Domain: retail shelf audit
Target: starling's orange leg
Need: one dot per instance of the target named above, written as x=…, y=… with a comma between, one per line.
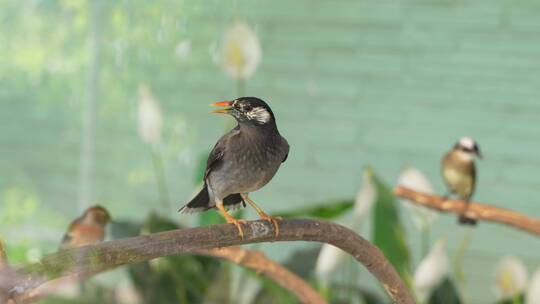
x=231, y=220
x=272, y=219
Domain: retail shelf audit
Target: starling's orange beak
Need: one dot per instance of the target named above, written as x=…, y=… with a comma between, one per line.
x=221, y=104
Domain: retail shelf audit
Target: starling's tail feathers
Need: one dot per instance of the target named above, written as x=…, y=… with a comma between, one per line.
x=466, y=221
x=462, y=219
x=201, y=202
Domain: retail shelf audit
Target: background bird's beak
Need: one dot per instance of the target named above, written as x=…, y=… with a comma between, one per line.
x=221, y=104
x=479, y=154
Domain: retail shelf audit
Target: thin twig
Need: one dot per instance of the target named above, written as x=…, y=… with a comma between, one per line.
x=92, y=259
x=473, y=210
x=257, y=261
x=161, y=180
x=48, y=288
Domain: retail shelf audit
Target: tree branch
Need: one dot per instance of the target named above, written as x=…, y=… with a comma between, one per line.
x=104, y=256
x=474, y=210
x=257, y=261
x=252, y=259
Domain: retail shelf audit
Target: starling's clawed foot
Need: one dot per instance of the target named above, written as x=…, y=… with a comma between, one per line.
x=238, y=224
x=231, y=220
x=466, y=220
x=273, y=220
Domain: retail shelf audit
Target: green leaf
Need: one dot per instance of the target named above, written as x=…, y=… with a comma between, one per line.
x=327, y=211
x=388, y=231
x=272, y=293
x=210, y=217
x=214, y=217
x=175, y=279
x=303, y=261
x=352, y=293
x=124, y=229
x=446, y=293
x=519, y=299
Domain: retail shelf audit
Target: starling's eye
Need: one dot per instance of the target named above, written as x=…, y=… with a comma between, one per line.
x=247, y=108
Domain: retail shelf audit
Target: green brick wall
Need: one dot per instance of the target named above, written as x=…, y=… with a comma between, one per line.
x=352, y=83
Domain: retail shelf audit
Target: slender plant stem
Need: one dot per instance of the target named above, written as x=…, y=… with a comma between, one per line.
x=458, y=258
x=425, y=235
x=89, y=118
x=161, y=180
x=240, y=87
x=351, y=278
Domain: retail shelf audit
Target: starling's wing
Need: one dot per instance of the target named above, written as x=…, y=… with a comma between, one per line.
x=216, y=155
x=445, y=162
x=473, y=174
x=286, y=145
x=201, y=201
x=66, y=239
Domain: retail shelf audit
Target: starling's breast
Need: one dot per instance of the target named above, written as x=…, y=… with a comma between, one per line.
x=459, y=176
x=248, y=165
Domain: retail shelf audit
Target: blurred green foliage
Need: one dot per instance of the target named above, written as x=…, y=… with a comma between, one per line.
x=446, y=293
x=388, y=232
x=328, y=210
x=196, y=279
x=41, y=81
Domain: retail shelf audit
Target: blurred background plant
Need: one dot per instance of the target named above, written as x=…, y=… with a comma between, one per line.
x=150, y=125
x=240, y=54
x=92, y=90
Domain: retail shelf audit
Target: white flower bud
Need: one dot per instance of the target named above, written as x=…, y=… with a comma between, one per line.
x=413, y=179
x=240, y=51
x=365, y=198
x=510, y=277
x=431, y=271
x=150, y=118
x=328, y=262
x=533, y=292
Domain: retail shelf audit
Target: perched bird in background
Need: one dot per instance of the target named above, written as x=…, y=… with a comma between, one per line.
x=242, y=161
x=87, y=229
x=459, y=172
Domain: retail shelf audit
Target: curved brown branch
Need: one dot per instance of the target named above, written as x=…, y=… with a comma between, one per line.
x=474, y=210
x=257, y=261
x=48, y=288
x=96, y=258
x=251, y=259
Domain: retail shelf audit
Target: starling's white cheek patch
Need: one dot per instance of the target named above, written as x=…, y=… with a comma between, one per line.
x=260, y=114
x=467, y=142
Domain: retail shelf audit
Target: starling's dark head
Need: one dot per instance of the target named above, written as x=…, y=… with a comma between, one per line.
x=468, y=146
x=97, y=215
x=250, y=110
